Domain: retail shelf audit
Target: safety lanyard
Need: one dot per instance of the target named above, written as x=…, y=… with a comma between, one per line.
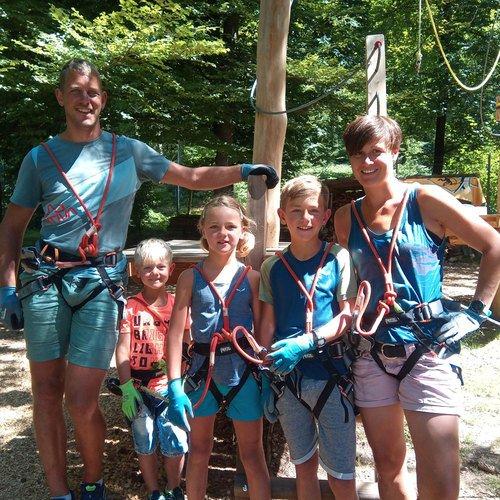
x=364, y=290
x=308, y=294
x=89, y=245
x=225, y=302
x=151, y=311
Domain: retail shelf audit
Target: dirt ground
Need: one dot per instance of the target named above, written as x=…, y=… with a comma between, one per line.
x=22, y=476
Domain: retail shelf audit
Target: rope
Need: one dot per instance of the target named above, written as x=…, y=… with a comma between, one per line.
x=300, y=107
x=450, y=69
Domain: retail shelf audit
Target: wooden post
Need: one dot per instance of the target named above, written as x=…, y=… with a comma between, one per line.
x=270, y=130
x=376, y=103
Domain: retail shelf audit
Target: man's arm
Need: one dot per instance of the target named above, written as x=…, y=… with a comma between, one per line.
x=205, y=178
x=442, y=212
x=12, y=231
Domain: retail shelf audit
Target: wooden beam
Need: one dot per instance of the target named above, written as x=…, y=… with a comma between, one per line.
x=376, y=103
x=285, y=488
x=270, y=130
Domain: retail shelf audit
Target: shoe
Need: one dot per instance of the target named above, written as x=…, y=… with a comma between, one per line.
x=175, y=494
x=92, y=491
x=156, y=495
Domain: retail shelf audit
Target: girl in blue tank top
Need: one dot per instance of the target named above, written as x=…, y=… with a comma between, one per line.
x=405, y=371
x=219, y=279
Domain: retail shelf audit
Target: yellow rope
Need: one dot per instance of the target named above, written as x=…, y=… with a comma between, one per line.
x=465, y=87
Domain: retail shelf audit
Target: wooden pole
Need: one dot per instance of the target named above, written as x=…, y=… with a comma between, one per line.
x=376, y=103
x=270, y=130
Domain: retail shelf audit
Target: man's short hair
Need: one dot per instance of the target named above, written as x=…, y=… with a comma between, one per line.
x=81, y=66
x=366, y=128
x=152, y=250
x=304, y=185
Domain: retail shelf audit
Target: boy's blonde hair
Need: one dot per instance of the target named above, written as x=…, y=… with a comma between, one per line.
x=247, y=240
x=152, y=250
x=304, y=185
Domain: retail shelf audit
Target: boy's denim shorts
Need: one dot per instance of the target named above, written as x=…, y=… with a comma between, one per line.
x=87, y=336
x=245, y=406
x=148, y=432
x=303, y=433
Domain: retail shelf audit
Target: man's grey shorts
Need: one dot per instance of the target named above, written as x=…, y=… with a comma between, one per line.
x=336, y=438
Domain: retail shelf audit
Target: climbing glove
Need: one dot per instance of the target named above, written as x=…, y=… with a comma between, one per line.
x=179, y=406
x=11, y=313
x=288, y=352
x=457, y=326
x=131, y=398
x=260, y=169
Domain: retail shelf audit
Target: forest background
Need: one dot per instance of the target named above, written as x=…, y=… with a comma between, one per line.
x=179, y=74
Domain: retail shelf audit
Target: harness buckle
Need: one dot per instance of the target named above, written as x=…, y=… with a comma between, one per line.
x=422, y=313
x=30, y=259
x=388, y=355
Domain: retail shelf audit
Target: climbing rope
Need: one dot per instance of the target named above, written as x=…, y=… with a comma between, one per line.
x=450, y=69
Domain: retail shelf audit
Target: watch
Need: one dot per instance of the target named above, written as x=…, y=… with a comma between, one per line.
x=319, y=342
x=479, y=307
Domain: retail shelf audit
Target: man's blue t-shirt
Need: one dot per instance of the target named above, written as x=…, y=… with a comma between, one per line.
x=277, y=287
x=86, y=165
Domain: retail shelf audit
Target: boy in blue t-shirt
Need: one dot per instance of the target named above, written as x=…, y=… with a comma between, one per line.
x=308, y=292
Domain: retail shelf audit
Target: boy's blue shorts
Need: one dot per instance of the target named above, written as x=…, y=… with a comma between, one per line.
x=52, y=330
x=148, y=432
x=245, y=406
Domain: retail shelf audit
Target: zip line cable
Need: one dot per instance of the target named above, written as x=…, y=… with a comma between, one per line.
x=450, y=69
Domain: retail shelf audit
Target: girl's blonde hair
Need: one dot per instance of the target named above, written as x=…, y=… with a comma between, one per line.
x=247, y=240
x=150, y=251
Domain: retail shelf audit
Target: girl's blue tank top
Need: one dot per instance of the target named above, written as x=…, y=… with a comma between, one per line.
x=417, y=268
x=206, y=319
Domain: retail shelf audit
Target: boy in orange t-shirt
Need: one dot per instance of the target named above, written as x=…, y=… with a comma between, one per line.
x=140, y=354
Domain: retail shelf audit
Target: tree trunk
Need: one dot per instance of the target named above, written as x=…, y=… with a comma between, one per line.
x=437, y=168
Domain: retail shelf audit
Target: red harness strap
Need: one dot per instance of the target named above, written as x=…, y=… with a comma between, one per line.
x=226, y=335
x=364, y=290
x=308, y=294
x=89, y=245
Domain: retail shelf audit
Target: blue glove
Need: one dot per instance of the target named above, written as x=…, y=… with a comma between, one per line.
x=457, y=326
x=260, y=169
x=11, y=314
x=179, y=405
x=288, y=352
x=267, y=399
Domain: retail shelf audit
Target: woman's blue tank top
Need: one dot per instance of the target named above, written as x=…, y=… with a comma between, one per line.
x=206, y=319
x=417, y=267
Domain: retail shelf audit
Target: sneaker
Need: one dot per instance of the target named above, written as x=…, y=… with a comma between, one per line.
x=92, y=491
x=175, y=494
x=71, y=492
x=156, y=495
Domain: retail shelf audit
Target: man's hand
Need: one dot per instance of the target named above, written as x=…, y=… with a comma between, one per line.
x=11, y=313
x=457, y=326
x=131, y=398
x=260, y=169
x=179, y=406
x=288, y=352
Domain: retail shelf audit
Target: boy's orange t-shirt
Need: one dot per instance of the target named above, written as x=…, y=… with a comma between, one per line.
x=148, y=335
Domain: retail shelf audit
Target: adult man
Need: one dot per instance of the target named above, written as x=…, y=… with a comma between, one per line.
x=395, y=235
x=85, y=179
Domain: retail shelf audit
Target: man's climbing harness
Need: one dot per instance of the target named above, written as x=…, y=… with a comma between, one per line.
x=88, y=251
x=335, y=350
x=225, y=342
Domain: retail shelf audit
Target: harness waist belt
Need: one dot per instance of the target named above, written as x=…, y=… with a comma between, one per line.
x=109, y=259
x=422, y=313
x=333, y=350
x=146, y=375
x=223, y=349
